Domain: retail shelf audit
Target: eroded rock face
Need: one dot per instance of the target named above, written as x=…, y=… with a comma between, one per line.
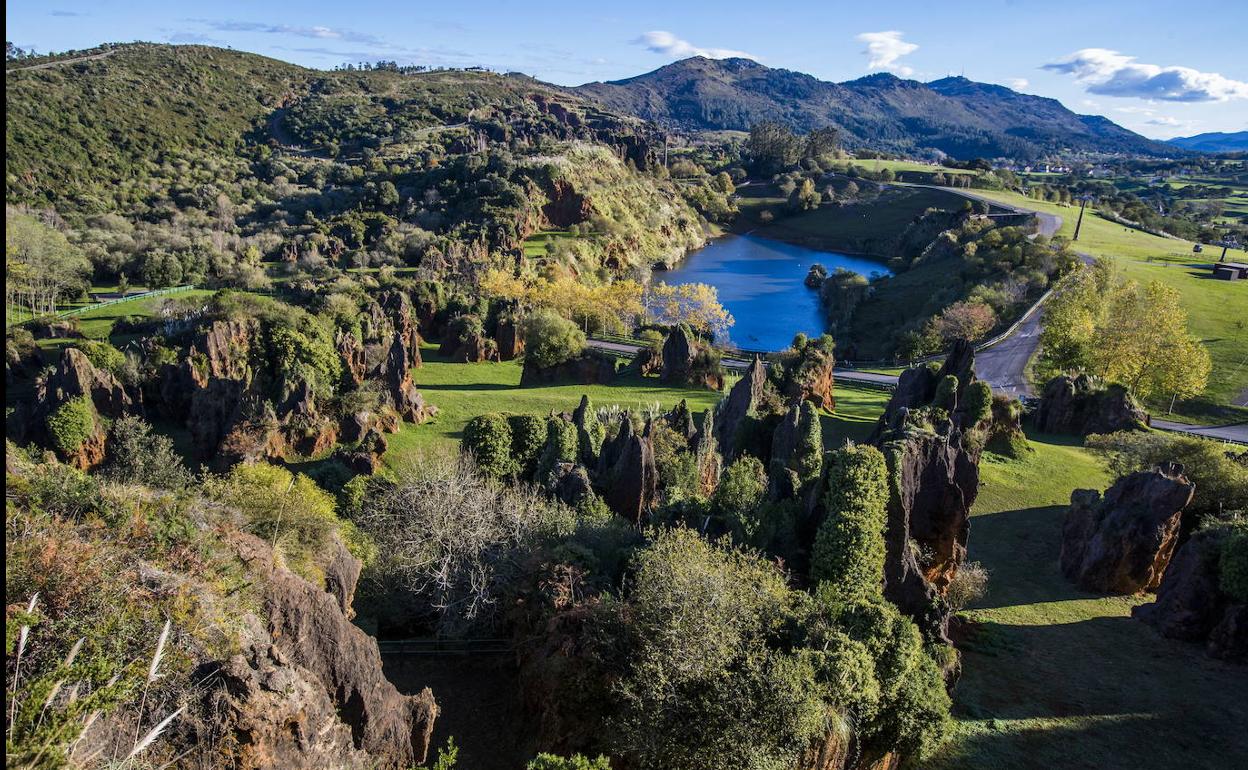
x=354, y=360
x=1191, y=605
x=933, y=482
x=1076, y=405
x=74, y=377
x=1123, y=542
x=509, y=341
x=308, y=690
x=365, y=458
x=678, y=351
x=588, y=369
x=628, y=474
x=742, y=401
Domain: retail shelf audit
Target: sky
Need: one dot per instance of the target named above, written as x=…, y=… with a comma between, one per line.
x=1161, y=68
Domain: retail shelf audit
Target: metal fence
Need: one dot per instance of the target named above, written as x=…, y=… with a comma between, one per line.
x=119, y=300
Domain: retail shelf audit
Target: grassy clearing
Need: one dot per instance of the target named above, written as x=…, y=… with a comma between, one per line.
x=98, y=324
x=535, y=245
x=1217, y=310
x=865, y=228
x=463, y=391
x=1054, y=677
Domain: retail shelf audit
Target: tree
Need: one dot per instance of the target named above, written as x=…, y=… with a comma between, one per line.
x=965, y=321
x=849, y=547
x=41, y=266
x=550, y=340
x=821, y=142
x=488, y=438
x=740, y=492
x=804, y=197
x=695, y=304
x=772, y=148
x=138, y=456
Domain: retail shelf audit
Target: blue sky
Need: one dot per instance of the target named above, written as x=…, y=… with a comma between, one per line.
x=1161, y=68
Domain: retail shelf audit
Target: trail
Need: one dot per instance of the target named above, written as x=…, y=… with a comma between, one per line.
x=59, y=62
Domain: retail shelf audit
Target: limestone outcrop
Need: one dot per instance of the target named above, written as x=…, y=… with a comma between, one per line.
x=1191, y=604
x=307, y=688
x=1122, y=543
x=1077, y=405
x=741, y=403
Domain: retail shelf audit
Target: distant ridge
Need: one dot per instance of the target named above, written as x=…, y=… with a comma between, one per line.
x=1217, y=141
x=953, y=115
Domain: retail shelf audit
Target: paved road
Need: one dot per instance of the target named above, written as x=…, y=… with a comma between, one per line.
x=1237, y=432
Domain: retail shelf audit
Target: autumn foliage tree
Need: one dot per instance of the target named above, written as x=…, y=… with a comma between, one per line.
x=695, y=304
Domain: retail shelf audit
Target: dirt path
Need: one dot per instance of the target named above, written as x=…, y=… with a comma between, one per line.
x=59, y=62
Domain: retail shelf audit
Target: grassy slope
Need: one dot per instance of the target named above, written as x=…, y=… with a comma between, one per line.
x=1217, y=310
x=463, y=391
x=1054, y=677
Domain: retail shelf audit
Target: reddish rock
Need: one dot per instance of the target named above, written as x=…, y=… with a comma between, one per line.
x=354, y=361
x=1122, y=543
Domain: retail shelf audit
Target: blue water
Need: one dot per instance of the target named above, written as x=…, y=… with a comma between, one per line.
x=760, y=283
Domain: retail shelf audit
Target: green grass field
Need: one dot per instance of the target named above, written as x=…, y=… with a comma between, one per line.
x=1054, y=677
x=98, y=324
x=1217, y=310
x=463, y=391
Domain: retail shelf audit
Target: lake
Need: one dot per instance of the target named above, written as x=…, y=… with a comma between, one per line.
x=760, y=282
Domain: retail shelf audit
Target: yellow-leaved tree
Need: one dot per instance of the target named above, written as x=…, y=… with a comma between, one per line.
x=695, y=304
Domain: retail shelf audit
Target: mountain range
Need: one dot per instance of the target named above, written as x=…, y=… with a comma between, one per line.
x=1213, y=142
x=953, y=115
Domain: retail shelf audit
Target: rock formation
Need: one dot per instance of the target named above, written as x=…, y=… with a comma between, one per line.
x=742, y=402
x=1122, y=543
x=590, y=368
x=678, y=351
x=74, y=377
x=307, y=688
x=366, y=457
x=1191, y=604
x=1076, y=405
x=627, y=473
x=508, y=340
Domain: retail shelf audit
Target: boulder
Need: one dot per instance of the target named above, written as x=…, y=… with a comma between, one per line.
x=1123, y=542
x=366, y=457
x=809, y=376
x=354, y=361
x=590, y=368
x=1077, y=405
x=570, y=483
x=508, y=340
x=472, y=349
x=1190, y=603
x=742, y=402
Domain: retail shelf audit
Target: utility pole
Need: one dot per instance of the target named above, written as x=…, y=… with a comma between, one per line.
x=1083, y=204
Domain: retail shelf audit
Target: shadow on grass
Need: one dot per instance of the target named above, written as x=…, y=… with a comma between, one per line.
x=1022, y=548
x=466, y=386
x=1132, y=698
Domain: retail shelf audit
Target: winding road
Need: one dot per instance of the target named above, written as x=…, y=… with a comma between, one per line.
x=1002, y=361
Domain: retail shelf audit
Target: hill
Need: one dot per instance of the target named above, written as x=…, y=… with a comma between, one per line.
x=954, y=115
x=1217, y=141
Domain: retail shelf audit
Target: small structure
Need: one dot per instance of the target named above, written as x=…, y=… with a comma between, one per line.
x=1230, y=271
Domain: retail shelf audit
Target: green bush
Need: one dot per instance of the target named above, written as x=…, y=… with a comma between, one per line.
x=946, y=393
x=72, y=424
x=102, y=355
x=550, y=339
x=849, y=547
x=487, y=438
x=137, y=456
x=528, y=436
x=562, y=446
x=574, y=762
x=739, y=494
x=1233, y=563
x=977, y=401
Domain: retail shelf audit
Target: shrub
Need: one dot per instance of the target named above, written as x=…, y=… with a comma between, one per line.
x=288, y=510
x=137, y=456
x=1221, y=482
x=103, y=355
x=550, y=339
x=968, y=585
x=574, y=762
x=740, y=492
x=849, y=547
x=946, y=393
x=528, y=436
x=562, y=446
x=1233, y=563
x=72, y=424
x=977, y=400
x=488, y=438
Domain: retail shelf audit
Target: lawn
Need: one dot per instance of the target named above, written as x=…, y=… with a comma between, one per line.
x=1217, y=310
x=866, y=228
x=535, y=245
x=1054, y=677
x=463, y=391
x=98, y=324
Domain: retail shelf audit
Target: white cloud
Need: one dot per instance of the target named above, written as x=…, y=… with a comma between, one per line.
x=316, y=32
x=660, y=41
x=1018, y=84
x=1110, y=73
x=884, y=49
